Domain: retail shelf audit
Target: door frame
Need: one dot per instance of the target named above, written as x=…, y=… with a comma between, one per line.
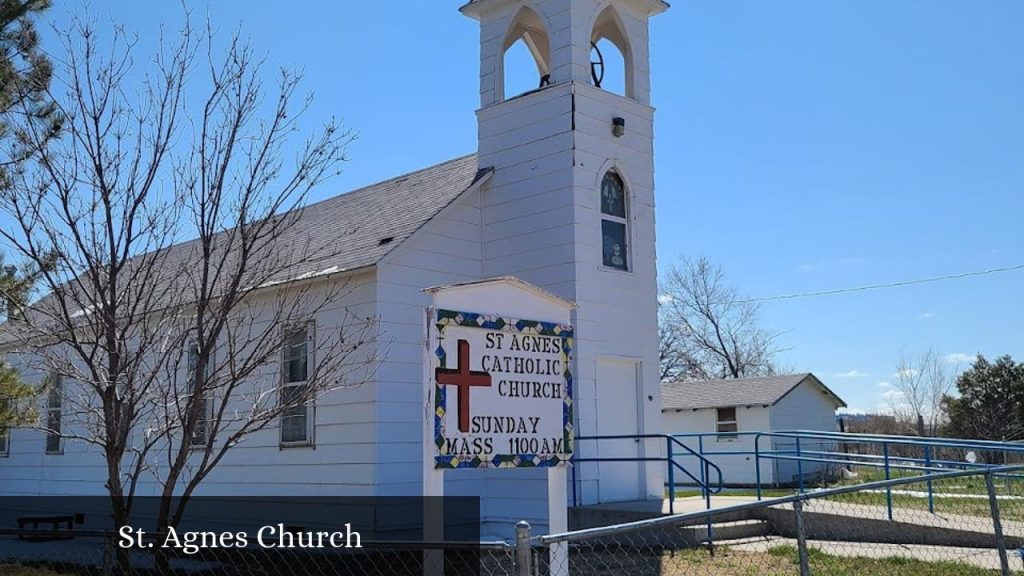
x=641, y=424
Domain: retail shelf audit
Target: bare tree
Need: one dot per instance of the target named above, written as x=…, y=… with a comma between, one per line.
x=707, y=331
x=175, y=350
x=922, y=383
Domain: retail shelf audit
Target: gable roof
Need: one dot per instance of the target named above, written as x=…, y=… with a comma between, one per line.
x=357, y=229
x=345, y=232
x=759, y=391
x=370, y=222
x=509, y=280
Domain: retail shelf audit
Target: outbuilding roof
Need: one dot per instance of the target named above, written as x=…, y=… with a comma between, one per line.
x=759, y=391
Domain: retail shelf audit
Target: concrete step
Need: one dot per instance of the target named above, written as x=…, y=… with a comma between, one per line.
x=595, y=515
x=738, y=530
x=696, y=536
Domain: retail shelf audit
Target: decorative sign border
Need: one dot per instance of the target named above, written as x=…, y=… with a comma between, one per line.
x=445, y=318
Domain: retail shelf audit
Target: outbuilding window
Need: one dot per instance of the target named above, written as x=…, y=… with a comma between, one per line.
x=614, y=223
x=727, y=426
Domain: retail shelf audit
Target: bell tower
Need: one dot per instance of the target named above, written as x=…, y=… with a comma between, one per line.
x=570, y=207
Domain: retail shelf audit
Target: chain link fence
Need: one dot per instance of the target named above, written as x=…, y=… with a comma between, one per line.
x=45, y=553
x=845, y=531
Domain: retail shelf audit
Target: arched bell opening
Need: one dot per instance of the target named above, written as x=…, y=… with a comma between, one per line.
x=525, y=55
x=611, y=56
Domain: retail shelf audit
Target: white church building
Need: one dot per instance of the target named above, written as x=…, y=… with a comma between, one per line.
x=560, y=194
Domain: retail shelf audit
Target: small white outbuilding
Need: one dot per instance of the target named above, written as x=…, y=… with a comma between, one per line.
x=726, y=412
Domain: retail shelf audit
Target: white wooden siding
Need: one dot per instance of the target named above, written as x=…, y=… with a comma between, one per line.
x=340, y=463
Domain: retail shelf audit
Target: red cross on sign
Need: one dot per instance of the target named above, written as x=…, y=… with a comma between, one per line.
x=464, y=378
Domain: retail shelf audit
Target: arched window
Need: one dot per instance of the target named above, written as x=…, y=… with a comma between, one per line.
x=611, y=55
x=614, y=223
x=525, y=56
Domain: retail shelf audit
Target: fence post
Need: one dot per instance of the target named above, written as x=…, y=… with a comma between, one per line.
x=703, y=469
x=928, y=465
x=670, y=453
x=888, y=476
x=799, y=467
x=757, y=464
x=801, y=538
x=524, y=553
x=997, y=524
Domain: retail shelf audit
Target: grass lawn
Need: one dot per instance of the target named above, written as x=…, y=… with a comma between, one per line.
x=1010, y=509
x=766, y=493
x=778, y=561
x=783, y=561
x=975, y=504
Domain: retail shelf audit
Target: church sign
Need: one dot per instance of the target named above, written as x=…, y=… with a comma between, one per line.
x=503, y=392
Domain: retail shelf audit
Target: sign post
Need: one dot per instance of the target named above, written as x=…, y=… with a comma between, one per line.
x=499, y=388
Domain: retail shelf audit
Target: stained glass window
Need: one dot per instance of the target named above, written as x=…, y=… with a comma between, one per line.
x=614, y=228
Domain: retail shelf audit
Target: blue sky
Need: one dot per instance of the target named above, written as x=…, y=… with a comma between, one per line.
x=803, y=145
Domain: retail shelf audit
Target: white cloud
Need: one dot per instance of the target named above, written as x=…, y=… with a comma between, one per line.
x=664, y=298
x=852, y=410
x=927, y=315
x=908, y=373
x=806, y=267
x=884, y=384
x=892, y=394
x=959, y=358
x=851, y=374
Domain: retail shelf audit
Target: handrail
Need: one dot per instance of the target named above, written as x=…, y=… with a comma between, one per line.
x=669, y=459
x=664, y=521
x=809, y=446
x=858, y=438
x=704, y=460
x=1008, y=446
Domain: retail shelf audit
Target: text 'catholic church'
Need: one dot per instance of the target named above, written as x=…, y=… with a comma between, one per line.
x=558, y=202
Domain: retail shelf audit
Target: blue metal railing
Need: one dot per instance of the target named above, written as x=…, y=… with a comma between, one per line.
x=798, y=441
x=673, y=465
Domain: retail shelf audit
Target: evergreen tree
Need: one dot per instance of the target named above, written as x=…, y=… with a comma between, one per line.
x=991, y=401
x=25, y=74
x=13, y=412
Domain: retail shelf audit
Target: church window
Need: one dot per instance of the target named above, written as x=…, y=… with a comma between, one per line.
x=4, y=430
x=54, y=412
x=614, y=224
x=200, y=430
x=297, y=365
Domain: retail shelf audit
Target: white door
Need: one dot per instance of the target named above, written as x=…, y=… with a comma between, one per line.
x=617, y=414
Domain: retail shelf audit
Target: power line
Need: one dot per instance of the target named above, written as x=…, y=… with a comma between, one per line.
x=889, y=285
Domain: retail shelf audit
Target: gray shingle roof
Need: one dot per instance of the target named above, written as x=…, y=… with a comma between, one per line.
x=366, y=218
x=356, y=229
x=761, y=391
x=345, y=232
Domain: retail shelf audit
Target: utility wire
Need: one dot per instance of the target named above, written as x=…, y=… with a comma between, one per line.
x=889, y=285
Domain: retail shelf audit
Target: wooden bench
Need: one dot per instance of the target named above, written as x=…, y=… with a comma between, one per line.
x=60, y=527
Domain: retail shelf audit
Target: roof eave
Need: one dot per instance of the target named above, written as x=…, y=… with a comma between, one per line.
x=512, y=280
x=483, y=175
